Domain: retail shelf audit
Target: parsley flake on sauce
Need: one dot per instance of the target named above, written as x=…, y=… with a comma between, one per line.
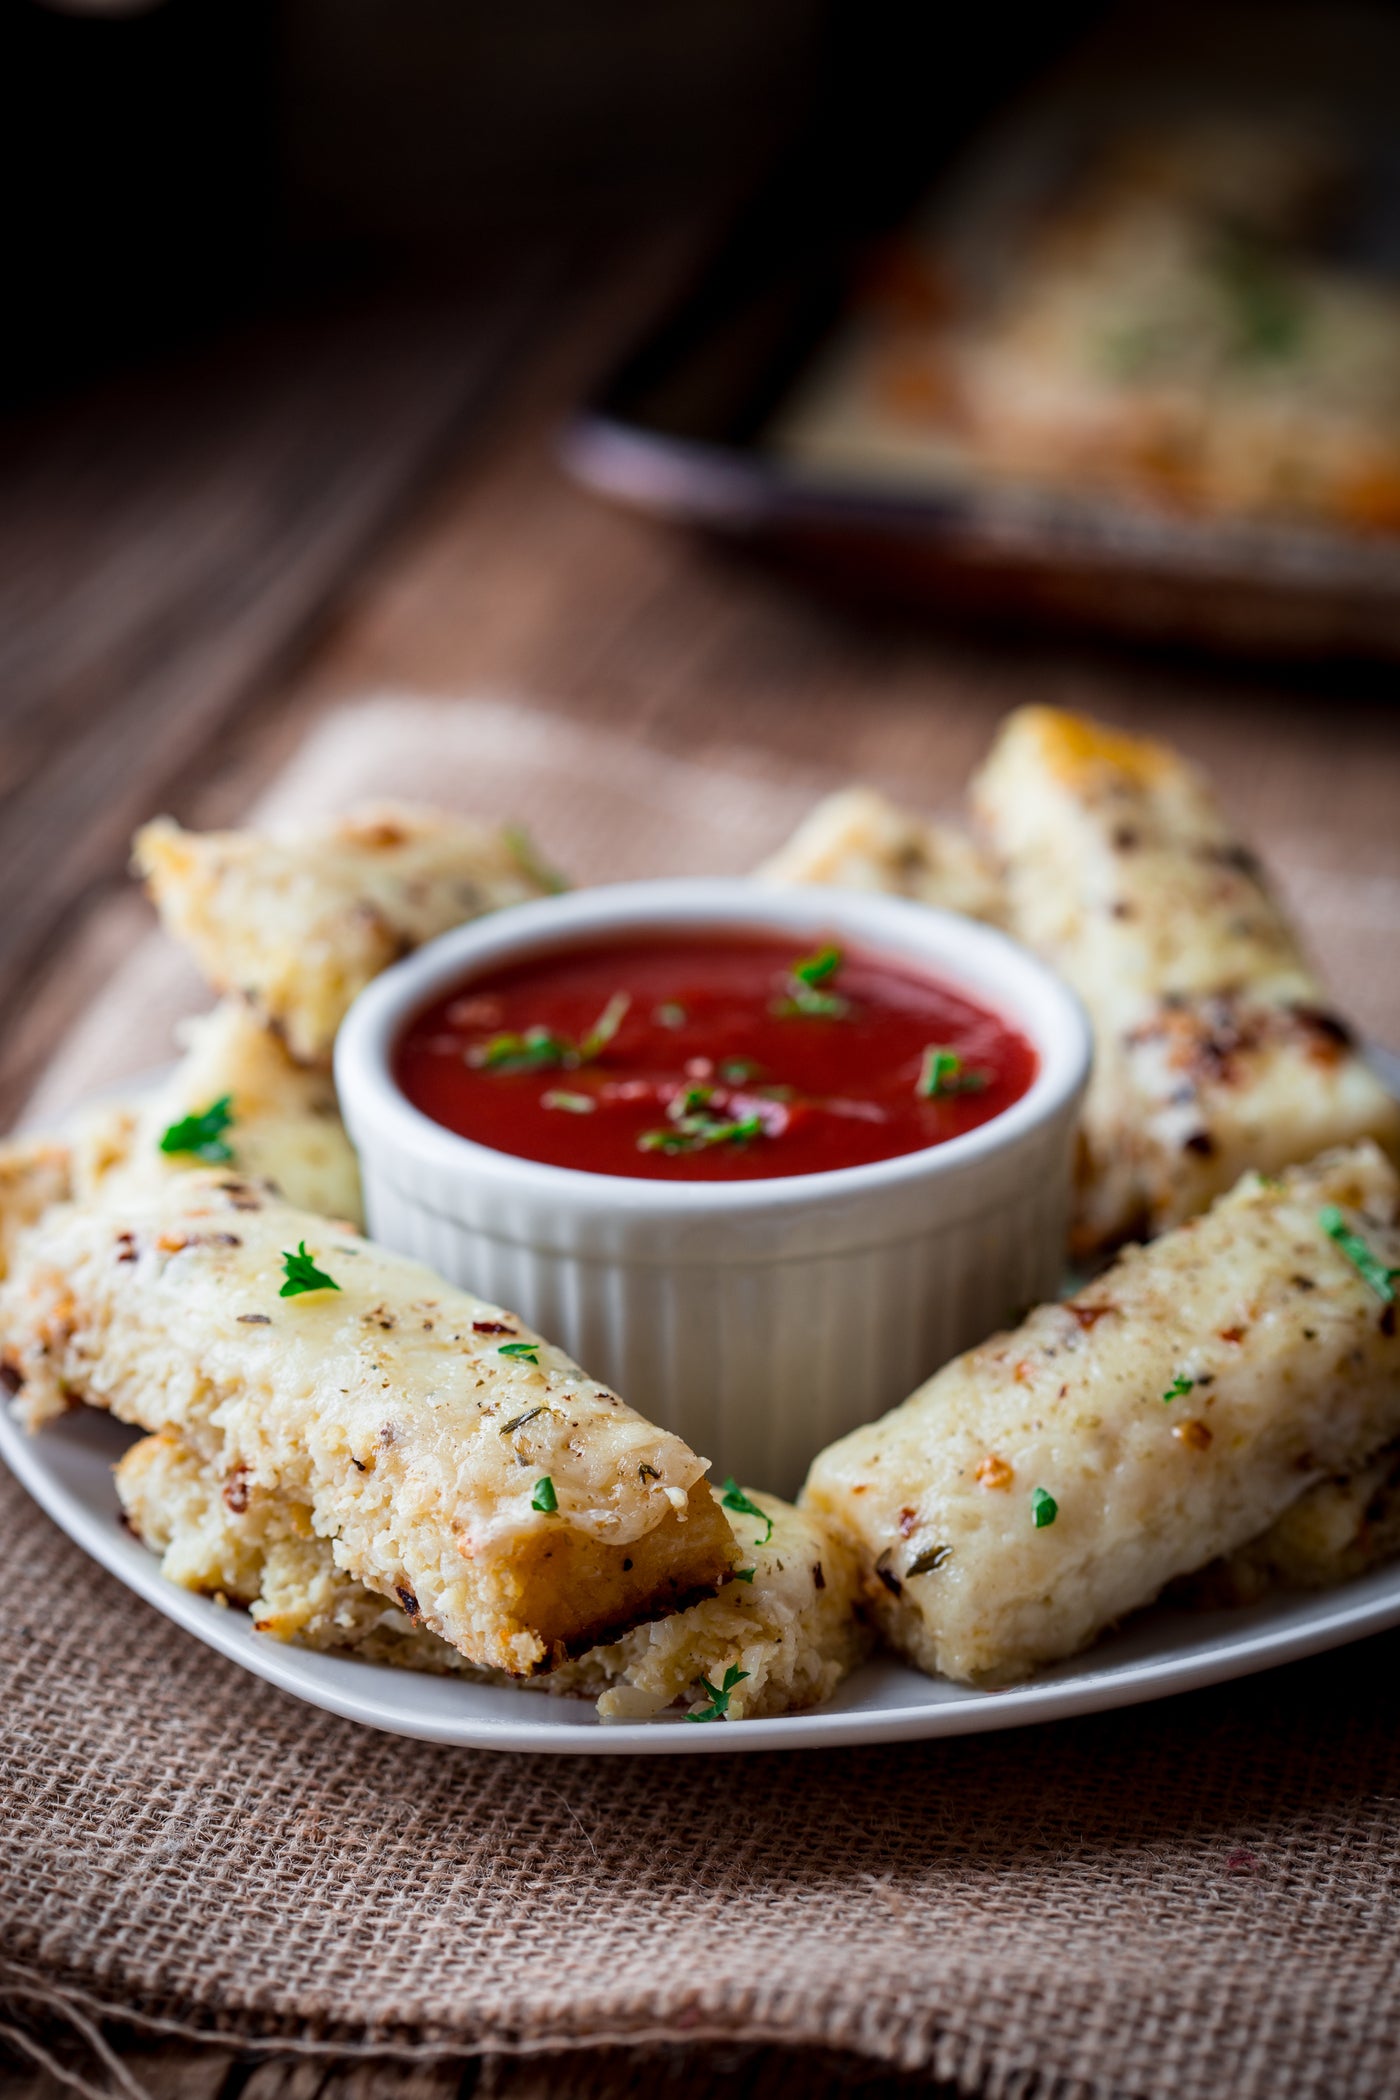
x=303, y=1275
x=732, y=1496
x=1363, y=1259
x=719, y=1694
x=536, y=1050
x=805, y=997
x=539, y=1049
x=943, y=1072
x=201, y=1135
x=1178, y=1387
x=1044, y=1508
x=544, y=1498
x=692, y=1125
x=526, y=1352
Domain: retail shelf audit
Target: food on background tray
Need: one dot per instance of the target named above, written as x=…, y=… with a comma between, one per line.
x=297, y=925
x=1184, y=321
x=725, y=1056
x=1170, y=334
x=1215, y=1046
x=1054, y=1479
x=461, y=1464
x=778, y=1636
x=858, y=840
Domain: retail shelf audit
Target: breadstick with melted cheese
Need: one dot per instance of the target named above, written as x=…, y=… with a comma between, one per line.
x=280, y=1124
x=1215, y=1048
x=299, y=925
x=858, y=840
x=457, y=1462
x=1055, y=1478
x=283, y=1124
x=788, y=1624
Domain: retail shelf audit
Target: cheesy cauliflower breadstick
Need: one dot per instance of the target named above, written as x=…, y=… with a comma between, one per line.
x=235, y=1096
x=779, y=1636
x=1215, y=1050
x=298, y=925
x=857, y=840
x=458, y=1462
x=1041, y=1486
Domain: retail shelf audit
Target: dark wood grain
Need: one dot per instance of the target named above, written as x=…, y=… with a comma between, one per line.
x=170, y=544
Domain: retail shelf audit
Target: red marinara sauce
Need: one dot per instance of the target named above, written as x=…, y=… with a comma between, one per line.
x=713, y=1057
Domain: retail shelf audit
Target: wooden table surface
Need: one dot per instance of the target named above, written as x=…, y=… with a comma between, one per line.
x=201, y=561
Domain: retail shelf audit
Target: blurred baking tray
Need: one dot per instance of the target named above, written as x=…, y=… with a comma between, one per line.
x=691, y=426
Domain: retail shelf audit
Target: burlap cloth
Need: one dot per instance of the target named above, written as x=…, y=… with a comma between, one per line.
x=1196, y=1899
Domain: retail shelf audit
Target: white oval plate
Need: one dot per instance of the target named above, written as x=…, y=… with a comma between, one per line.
x=67, y=1469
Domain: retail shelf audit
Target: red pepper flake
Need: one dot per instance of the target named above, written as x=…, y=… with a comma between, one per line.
x=908, y=1518
x=1089, y=1316
x=1233, y=1334
x=494, y=1327
x=236, y=1490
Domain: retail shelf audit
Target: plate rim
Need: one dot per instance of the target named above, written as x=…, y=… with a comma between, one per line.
x=1247, y=1651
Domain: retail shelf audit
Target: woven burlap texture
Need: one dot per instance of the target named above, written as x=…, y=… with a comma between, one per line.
x=1196, y=1899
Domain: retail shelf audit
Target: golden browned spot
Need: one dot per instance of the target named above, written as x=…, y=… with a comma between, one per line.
x=1073, y=745
x=1193, y=1434
x=994, y=1472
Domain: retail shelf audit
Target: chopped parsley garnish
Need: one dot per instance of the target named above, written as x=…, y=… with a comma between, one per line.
x=927, y=1562
x=745, y=1574
x=692, y=1125
x=669, y=1014
x=1363, y=1259
x=815, y=969
x=1266, y=309
x=544, y=1498
x=732, y=1496
x=718, y=1694
x=572, y=1104
x=539, y=1049
x=536, y=1050
x=805, y=997
x=202, y=1135
x=605, y=1027
x=525, y=1352
x=1178, y=1387
x=1044, y=1508
x=943, y=1072
x=523, y=847
x=302, y=1274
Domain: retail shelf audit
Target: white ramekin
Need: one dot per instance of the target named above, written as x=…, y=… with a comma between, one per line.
x=758, y=1319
